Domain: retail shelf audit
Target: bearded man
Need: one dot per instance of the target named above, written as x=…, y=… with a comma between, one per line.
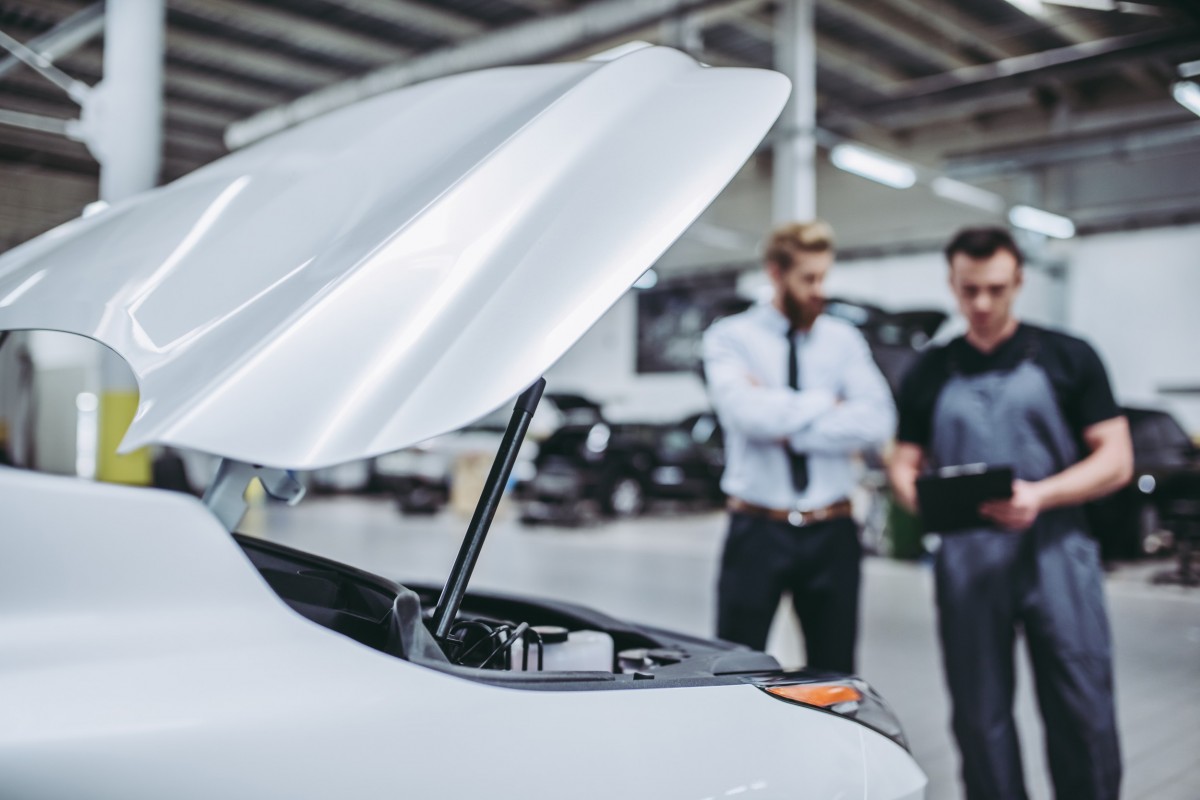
x=798, y=395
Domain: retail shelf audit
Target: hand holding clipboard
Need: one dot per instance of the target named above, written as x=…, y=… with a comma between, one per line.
x=951, y=498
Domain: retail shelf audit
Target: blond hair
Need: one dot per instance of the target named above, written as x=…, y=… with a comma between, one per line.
x=798, y=237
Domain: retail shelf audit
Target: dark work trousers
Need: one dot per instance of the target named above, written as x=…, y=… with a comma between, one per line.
x=819, y=564
x=1046, y=581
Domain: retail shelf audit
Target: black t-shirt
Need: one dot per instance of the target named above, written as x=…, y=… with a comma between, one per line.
x=1073, y=367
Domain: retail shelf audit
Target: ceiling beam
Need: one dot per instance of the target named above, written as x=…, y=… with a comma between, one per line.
x=897, y=31
x=952, y=110
x=1093, y=147
x=665, y=31
x=1076, y=29
x=191, y=83
x=257, y=63
x=947, y=21
x=858, y=67
x=546, y=7
x=296, y=30
x=428, y=17
x=537, y=39
x=1145, y=213
x=1030, y=70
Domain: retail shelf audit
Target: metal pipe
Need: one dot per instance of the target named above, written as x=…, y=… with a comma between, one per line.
x=794, y=181
x=36, y=122
x=65, y=37
x=37, y=62
x=485, y=510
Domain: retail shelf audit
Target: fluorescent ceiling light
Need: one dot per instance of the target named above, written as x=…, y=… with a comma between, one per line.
x=1033, y=8
x=1038, y=221
x=873, y=165
x=965, y=193
x=1189, y=69
x=1187, y=94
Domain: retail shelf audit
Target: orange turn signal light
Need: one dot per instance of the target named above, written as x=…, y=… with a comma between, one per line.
x=822, y=695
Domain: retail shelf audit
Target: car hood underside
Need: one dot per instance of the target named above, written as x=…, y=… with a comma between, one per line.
x=398, y=268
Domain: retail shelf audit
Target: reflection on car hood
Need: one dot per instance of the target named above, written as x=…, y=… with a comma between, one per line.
x=400, y=267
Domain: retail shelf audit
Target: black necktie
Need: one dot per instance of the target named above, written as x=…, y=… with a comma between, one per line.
x=798, y=461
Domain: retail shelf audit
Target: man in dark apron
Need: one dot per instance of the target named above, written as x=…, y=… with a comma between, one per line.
x=1009, y=393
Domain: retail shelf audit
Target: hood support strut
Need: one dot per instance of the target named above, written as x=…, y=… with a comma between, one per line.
x=485, y=510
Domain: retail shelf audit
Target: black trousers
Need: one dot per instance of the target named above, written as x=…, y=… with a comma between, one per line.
x=820, y=564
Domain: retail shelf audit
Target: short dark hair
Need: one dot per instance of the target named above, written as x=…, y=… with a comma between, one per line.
x=983, y=243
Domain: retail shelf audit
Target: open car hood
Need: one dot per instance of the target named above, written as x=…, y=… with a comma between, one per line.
x=398, y=268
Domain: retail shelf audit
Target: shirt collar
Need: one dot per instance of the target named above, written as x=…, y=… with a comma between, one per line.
x=772, y=318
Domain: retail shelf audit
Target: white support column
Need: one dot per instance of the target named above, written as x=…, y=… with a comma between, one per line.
x=794, y=198
x=125, y=134
x=130, y=122
x=795, y=177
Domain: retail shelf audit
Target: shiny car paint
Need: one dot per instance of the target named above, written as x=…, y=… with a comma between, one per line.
x=355, y=285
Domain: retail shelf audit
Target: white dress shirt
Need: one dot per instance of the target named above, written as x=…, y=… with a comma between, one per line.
x=844, y=405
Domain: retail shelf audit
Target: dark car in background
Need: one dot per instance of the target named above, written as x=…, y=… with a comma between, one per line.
x=421, y=477
x=1128, y=523
x=895, y=337
x=617, y=469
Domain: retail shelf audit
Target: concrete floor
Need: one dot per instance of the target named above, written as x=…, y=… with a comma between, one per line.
x=661, y=569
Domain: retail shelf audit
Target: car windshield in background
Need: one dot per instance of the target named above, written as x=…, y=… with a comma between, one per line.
x=1158, y=439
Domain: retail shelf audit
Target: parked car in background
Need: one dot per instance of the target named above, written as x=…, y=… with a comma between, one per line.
x=350, y=477
x=420, y=477
x=1127, y=522
x=617, y=469
x=895, y=337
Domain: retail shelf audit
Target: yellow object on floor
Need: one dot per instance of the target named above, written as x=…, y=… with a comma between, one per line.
x=116, y=413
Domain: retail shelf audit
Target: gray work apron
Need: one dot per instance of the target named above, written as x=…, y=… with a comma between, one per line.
x=1047, y=580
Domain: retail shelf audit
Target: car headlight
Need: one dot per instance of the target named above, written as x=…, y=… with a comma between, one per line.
x=852, y=698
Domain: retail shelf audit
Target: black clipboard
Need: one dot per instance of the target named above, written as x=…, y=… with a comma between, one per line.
x=949, y=499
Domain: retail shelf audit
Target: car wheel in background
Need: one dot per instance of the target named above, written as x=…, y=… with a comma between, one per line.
x=624, y=497
x=1153, y=539
x=421, y=500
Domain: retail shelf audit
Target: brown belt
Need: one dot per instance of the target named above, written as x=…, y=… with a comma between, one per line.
x=839, y=510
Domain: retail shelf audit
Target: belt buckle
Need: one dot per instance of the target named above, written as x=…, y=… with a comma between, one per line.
x=795, y=518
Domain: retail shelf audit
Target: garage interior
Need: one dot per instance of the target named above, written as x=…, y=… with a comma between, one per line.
x=1076, y=122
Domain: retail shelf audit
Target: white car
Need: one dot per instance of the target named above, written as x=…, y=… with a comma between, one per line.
x=365, y=281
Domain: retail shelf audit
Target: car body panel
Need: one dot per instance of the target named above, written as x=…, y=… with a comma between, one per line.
x=363, y=282
x=192, y=679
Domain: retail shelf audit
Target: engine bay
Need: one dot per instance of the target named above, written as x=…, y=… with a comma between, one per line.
x=496, y=638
